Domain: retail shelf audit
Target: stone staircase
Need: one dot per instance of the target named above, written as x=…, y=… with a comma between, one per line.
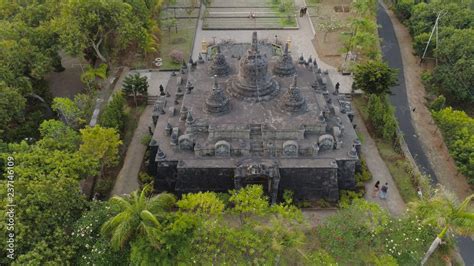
x=256, y=141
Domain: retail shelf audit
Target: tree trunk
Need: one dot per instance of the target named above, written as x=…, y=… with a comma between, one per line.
x=97, y=51
x=434, y=245
x=135, y=99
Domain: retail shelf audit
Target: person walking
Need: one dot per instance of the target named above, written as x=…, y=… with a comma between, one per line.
x=376, y=189
x=383, y=191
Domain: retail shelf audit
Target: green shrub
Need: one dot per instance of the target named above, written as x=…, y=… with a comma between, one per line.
x=146, y=139
x=458, y=131
x=438, y=103
x=104, y=186
x=113, y=115
x=347, y=196
x=145, y=178
x=403, y=9
x=322, y=203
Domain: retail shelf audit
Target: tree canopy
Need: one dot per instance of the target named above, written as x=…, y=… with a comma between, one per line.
x=374, y=77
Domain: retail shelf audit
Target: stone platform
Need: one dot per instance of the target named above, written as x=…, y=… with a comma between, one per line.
x=208, y=138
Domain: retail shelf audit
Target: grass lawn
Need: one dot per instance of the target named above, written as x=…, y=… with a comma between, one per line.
x=396, y=163
x=182, y=40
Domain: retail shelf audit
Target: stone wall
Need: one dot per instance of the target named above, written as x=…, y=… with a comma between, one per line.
x=204, y=179
x=310, y=183
x=345, y=174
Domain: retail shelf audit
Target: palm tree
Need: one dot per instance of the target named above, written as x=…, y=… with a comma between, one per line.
x=139, y=216
x=445, y=210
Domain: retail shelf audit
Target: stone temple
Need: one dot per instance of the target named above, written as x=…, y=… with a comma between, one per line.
x=250, y=114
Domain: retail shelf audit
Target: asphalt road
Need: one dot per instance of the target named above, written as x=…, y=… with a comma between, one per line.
x=399, y=98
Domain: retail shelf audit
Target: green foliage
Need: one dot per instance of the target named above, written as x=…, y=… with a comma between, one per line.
x=12, y=105
x=113, y=115
x=364, y=175
x=348, y=235
x=382, y=117
x=44, y=209
x=137, y=218
x=135, y=85
x=89, y=246
x=374, y=77
x=75, y=112
x=145, y=178
x=101, y=144
x=249, y=201
x=201, y=203
x=99, y=26
x=407, y=239
x=452, y=77
x=91, y=74
x=419, y=44
x=146, y=139
x=403, y=9
x=347, y=197
x=55, y=135
x=458, y=131
x=438, y=103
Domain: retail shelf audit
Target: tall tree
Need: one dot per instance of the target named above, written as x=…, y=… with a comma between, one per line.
x=98, y=25
x=374, y=77
x=12, y=105
x=139, y=216
x=135, y=85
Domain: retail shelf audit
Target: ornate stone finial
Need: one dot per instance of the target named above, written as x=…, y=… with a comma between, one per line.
x=183, y=113
x=301, y=60
x=168, y=128
x=293, y=100
x=286, y=52
x=321, y=117
x=189, y=87
x=189, y=118
x=160, y=155
x=254, y=42
x=310, y=60
x=200, y=59
x=216, y=84
x=353, y=152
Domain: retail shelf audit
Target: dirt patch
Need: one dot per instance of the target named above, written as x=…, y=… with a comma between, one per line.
x=329, y=45
x=431, y=138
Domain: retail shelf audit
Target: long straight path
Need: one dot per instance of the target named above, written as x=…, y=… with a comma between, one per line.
x=399, y=98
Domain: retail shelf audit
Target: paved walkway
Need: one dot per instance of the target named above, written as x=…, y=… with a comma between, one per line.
x=394, y=202
x=127, y=179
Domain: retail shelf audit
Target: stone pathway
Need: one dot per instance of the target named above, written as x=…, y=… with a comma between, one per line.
x=394, y=202
x=127, y=179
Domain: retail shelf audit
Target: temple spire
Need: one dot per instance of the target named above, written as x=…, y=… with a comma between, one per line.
x=254, y=42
